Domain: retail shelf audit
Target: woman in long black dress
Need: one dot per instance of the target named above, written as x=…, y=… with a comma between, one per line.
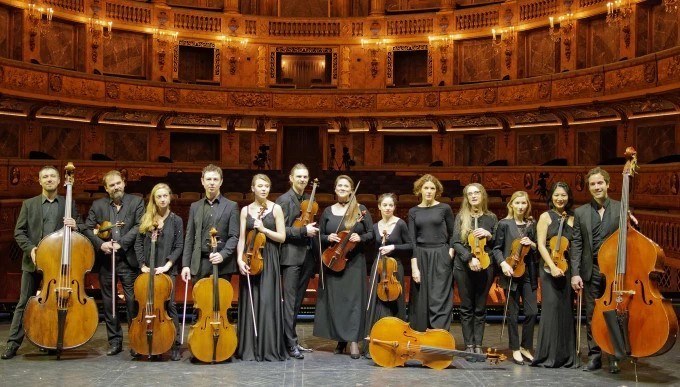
x=518, y=225
x=341, y=303
x=430, y=224
x=473, y=281
x=269, y=344
x=556, y=333
x=398, y=246
x=169, y=245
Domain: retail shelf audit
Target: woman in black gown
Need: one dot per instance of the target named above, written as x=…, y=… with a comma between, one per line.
x=556, y=333
x=430, y=224
x=473, y=281
x=518, y=225
x=398, y=246
x=341, y=303
x=169, y=245
x=269, y=344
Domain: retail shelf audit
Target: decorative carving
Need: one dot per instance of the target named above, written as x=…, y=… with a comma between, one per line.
x=432, y=100
x=673, y=67
x=349, y=102
x=302, y=102
x=251, y=99
x=197, y=97
x=675, y=184
x=81, y=88
x=112, y=90
x=400, y=100
x=597, y=82
x=544, y=90
x=567, y=48
x=142, y=93
x=55, y=82
x=345, y=68
x=14, y=176
x=508, y=58
x=490, y=95
x=650, y=72
x=580, y=182
x=262, y=66
x=26, y=80
x=626, y=35
x=172, y=95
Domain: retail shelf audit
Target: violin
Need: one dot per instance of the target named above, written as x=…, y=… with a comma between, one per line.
x=152, y=331
x=335, y=256
x=389, y=287
x=392, y=343
x=477, y=246
x=62, y=316
x=558, y=246
x=308, y=209
x=255, y=242
x=632, y=318
x=518, y=253
x=103, y=229
x=212, y=339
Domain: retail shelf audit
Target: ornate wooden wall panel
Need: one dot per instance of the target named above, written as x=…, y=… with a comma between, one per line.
x=125, y=53
x=478, y=62
x=541, y=54
x=127, y=145
x=308, y=8
x=244, y=152
x=536, y=148
x=9, y=138
x=5, y=27
x=588, y=149
x=61, y=143
x=58, y=48
x=603, y=43
x=656, y=141
x=408, y=150
x=665, y=29
x=190, y=147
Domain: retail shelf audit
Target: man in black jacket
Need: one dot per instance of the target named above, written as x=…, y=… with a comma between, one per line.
x=124, y=213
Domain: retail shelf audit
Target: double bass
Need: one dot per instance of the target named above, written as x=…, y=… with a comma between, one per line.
x=632, y=318
x=212, y=339
x=62, y=316
x=477, y=246
x=559, y=244
x=152, y=331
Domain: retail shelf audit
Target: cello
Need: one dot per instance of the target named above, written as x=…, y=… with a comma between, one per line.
x=152, y=331
x=393, y=342
x=255, y=242
x=308, y=209
x=389, y=287
x=62, y=316
x=632, y=318
x=212, y=339
x=558, y=247
x=477, y=246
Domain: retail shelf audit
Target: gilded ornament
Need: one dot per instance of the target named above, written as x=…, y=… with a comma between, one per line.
x=597, y=82
x=250, y=100
x=55, y=82
x=650, y=72
x=172, y=95
x=112, y=90
x=544, y=90
x=490, y=95
x=432, y=100
x=355, y=102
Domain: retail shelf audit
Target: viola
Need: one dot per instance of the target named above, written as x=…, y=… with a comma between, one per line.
x=255, y=242
x=62, y=316
x=632, y=318
x=389, y=287
x=477, y=246
x=152, y=331
x=103, y=229
x=558, y=246
x=212, y=339
x=335, y=256
x=393, y=342
x=308, y=209
x=518, y=253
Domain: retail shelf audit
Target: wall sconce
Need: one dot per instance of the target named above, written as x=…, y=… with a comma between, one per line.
x=98, y=29
x=40, y=19
x=671, y=6
x=442, y=43
x=373, y=47
x=235, y=46
x=618, y=12
x=507, y=38
x=564, y=33
x=166, y=41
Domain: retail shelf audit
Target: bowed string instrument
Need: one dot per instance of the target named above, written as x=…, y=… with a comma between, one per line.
x=104, y=231
x=477, y=246
x=308, y=208
x=335, y=256
x=632, y=318
x=62, y=316
x=152, y=331
x=255, y=242
x=559, y=245
x=388, y=288
x=516, y=261
x=212, y=338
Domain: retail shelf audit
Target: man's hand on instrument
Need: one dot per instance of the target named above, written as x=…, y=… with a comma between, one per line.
x=107, y=247
x=33, y=250
x=216, y=258
x=116, y=246
x=355, y=238
x=481, y=233
x=507, y=269
x=576, y=282
x=186, y=274
x=333, y=238
x=70, y=222
x=386, y=249
x=475, y=265
x=145, y=269
x=312, y=229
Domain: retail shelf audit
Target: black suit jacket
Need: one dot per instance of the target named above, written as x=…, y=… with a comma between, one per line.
x=581, y=251
x=294, y=249
x=131, y=210
x=227, y=225
x=28, y=231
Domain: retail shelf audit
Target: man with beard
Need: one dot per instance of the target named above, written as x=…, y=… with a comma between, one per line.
x=124, y=213
x=40, y=216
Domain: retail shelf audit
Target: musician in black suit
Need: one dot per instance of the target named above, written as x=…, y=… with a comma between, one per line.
x=39, y=216
x=212, y=211
x=593, y=223
x=125, y=211
x=297, y=260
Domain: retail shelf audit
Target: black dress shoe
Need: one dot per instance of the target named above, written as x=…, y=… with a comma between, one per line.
x=304, y=349
x=614, y=367
x=354, y=351
x=593, y=364
x=175, y=354
x=9, y=353
x=114, y=349
x=340, y=348
x=295, y=353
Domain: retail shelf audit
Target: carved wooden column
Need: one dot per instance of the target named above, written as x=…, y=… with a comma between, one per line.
x=162, y=52
x=627, y=31
x=231, y=6
x=377, y=7
x=446, y=5
x=509, y=42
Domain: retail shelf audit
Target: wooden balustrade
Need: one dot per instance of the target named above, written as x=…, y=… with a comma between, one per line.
x=537, y=9
x=475, y=19
x=199, y=22
x=127, y=13
x=68, y=5
x=405, y=26
x=304, y=28
x=588, y=3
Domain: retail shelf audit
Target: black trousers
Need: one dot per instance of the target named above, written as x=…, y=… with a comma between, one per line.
x=29, y=285
x=473, y=288
x=529, y=302
x=126, y=274
x=295, y=281
x=593, y=290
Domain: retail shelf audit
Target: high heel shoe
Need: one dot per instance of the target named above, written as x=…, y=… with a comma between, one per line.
x=517, y=357
x=354, y=350
x=340, y=348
